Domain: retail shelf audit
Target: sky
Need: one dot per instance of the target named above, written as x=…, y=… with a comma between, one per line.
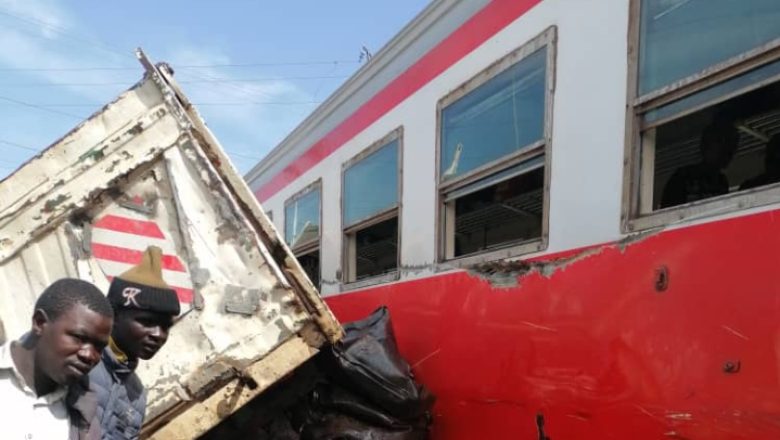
x=253, y=68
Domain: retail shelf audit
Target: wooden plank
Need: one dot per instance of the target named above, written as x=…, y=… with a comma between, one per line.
x=202, y=416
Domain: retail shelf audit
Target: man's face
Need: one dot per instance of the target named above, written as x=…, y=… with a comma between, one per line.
x=141, y=333
x=70, y=345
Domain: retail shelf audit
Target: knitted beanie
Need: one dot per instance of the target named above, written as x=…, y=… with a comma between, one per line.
x=142, y=287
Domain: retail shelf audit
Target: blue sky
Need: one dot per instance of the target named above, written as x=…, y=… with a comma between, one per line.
x=256, y=68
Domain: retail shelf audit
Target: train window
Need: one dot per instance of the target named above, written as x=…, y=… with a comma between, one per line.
x=493, y=153
x=679, y=38
x=371, y=188
x=705, y=102
x=499, y=118
x=302, y=229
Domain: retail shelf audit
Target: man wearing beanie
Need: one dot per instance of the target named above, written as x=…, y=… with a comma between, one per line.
x=144, y=308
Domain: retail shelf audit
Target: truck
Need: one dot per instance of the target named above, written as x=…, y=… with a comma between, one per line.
x=145, y=170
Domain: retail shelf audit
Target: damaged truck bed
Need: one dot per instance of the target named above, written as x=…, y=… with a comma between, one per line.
x=143, y=171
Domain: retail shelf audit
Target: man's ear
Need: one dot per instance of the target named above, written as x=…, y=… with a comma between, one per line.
x=39, y=321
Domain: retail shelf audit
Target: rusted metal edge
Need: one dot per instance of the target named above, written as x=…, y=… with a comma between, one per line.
x=274, y=249
x=194, y=418
x=169, y=97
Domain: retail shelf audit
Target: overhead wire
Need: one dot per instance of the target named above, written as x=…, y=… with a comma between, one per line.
x=201, y=104
x=17, y=145
x=40, y=107
x=200, y=77
x=203, y=81
x=179, y=66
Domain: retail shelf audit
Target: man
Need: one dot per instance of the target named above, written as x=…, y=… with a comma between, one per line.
x=144, y=308
x=71, y=324
x=705, y=179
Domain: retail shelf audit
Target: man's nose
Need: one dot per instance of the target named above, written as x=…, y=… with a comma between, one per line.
x=158, y=333
x=89, y=354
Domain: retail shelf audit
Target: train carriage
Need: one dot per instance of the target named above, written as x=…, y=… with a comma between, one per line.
x=569, y=208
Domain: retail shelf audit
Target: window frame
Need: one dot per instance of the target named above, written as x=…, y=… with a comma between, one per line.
x=312, y=245
x=371, y=220
x=636, y=188
x=546, y=39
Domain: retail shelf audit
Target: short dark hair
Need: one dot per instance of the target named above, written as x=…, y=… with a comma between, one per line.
x=65, y=293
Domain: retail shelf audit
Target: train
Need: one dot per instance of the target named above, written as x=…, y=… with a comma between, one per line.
x=568, y=207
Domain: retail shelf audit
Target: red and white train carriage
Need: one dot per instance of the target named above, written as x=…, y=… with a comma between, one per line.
x=569, y=208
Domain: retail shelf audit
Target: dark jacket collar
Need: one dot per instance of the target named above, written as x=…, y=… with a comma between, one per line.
x=118, y=369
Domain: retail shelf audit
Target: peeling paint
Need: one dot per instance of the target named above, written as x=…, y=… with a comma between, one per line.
x=638, y=237
x=145, y=204
x=94, y=154
x=505, y=274
x=113, y=166
x=240, y=300
x=136, y=129
x=51, y=204
x=284, y=331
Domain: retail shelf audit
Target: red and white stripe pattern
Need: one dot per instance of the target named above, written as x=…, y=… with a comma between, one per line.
x=118, y=242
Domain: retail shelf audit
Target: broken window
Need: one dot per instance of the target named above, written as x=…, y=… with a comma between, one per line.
x=706, y=107
x=302, y=229
x=493, y=142
x=370, y=211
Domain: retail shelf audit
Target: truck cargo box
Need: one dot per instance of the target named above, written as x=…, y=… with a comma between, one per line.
x=143, y=171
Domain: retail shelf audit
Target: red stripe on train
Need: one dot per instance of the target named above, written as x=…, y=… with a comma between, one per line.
x=131, y=256
x=475, y=31
x=130, y=226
